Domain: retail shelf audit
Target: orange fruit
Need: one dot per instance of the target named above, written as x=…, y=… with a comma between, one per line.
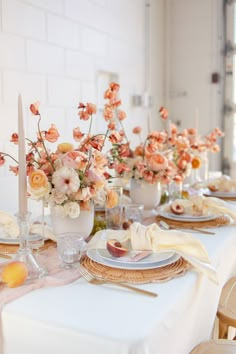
x=196, y=162
x=14, y=274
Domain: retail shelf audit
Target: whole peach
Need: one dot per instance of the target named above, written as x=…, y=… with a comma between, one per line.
x=14, y=274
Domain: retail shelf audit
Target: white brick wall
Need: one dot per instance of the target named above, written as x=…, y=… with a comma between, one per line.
x=23, y=20
x=53, y=51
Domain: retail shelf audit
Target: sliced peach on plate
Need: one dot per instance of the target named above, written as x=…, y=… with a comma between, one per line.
x=116, y=249
x=176, y=208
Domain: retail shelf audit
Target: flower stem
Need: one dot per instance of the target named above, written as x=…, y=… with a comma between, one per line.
x=45, y=149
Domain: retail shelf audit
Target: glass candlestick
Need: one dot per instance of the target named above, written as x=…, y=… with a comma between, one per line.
x=25, y=253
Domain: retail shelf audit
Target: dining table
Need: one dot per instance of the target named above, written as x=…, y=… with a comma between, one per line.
x=83, y=318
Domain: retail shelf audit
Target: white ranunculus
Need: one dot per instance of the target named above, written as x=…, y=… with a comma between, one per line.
x=66, y=180
x=72, y=209
x=40, y=193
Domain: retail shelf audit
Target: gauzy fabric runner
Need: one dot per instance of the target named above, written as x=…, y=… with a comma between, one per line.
x=56, y=277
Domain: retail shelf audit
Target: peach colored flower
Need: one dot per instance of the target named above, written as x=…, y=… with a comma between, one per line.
x=112, y=199
x=83, y=115
x=65, y=147
x=121, y=115
x=108, y=113
x=139, y=150
x=163, y=113
x=14, y=138
x=109, y=94
x=115, y=137
x=2, y=160
x=137, y=130
x=34, y=107
x=121, y=168
x=14, y=169
x=37, y=179
x=112, y=125
x=192, y=131
x=157, y=162
x=114, y=86
x=77, y=134
x=91, y=108
x=52, y=134
x=97, y=142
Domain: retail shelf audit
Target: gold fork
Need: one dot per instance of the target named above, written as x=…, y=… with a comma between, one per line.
x=95, y=280
x=198, y=229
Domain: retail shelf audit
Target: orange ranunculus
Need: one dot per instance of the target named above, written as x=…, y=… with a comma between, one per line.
x=37, y=179
x=65, y=147
x=34, y=107
x=112, y=199
x=52, y=134
x=196, y=162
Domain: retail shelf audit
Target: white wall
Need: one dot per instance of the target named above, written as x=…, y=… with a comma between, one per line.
x=194, y=51
x=56, y=51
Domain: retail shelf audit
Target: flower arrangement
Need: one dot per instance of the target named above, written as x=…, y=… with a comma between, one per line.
x=70, y=177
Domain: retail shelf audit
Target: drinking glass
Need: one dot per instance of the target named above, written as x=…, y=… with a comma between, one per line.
x=134, y=212
x=69, y=248
x=114, y=214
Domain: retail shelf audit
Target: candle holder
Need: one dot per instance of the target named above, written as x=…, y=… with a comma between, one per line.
x=25, y=253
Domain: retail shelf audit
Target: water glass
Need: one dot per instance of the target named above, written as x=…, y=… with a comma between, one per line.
x=114, y=215
x=134, y=212
x=69, y=248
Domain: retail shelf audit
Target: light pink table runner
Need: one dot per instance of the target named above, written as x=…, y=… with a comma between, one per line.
x=56, y=277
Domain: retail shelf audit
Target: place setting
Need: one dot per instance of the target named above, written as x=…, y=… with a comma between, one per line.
x=197, y=212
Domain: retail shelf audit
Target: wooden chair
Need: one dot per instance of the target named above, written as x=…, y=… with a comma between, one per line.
x=226, y=312
x=216, y=346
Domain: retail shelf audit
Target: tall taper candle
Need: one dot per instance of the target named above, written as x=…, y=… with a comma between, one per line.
x=22, y=177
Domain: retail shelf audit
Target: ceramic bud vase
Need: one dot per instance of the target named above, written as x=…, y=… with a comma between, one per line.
x=83, y=224
x=145, y=193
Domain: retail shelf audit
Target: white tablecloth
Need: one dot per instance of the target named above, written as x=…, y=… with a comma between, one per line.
x=81, y=318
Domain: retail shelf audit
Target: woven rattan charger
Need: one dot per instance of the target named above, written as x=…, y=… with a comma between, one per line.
x=160, y=274
x=6, y=248
x=222, y=220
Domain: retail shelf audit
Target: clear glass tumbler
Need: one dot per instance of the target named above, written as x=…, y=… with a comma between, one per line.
x=134, y=212
x=114, y=208
x=69, y=248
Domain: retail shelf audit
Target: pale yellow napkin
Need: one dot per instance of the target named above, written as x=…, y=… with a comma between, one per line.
x=157, y=240
x=206, y=206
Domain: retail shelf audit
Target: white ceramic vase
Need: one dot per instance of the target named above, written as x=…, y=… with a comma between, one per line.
x=82, y=225
x=145, y=193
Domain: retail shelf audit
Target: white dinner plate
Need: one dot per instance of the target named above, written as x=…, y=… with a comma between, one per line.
x=221, y=194
x=154, y=260
x=16, y=241
x=187, y=217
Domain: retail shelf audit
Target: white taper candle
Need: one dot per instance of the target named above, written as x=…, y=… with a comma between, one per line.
x=22, y=176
